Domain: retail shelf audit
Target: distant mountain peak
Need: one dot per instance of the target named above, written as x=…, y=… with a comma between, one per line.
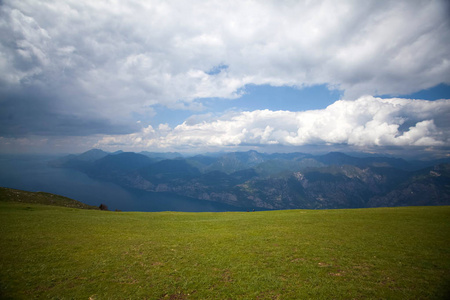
x=94, y=150
x=92, y=155
x=337, y=154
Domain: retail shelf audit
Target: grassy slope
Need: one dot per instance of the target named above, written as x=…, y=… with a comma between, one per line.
x=12, y=195
x=65, y=253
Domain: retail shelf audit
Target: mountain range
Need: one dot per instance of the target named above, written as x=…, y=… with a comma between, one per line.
x=253, y=180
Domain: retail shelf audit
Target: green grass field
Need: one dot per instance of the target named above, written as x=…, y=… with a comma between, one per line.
x=66, y=253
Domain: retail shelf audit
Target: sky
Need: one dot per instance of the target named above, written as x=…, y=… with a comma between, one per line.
x=197, y=76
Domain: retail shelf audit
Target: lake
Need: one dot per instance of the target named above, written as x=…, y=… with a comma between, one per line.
x=32, y=173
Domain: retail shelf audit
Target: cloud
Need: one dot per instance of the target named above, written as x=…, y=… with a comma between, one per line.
x=22, y=115
x=365, y=122
x=110, y=60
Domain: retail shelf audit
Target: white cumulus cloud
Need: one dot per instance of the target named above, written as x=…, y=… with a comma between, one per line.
x=365, y=122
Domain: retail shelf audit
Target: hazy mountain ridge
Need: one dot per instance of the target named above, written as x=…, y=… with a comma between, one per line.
x=276, y=181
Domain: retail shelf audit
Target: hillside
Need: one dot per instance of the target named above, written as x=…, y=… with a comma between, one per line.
x=51, y=252
x=246, y=180
x=13, y=195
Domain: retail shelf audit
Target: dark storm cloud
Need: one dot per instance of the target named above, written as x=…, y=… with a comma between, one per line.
x=33, y=113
